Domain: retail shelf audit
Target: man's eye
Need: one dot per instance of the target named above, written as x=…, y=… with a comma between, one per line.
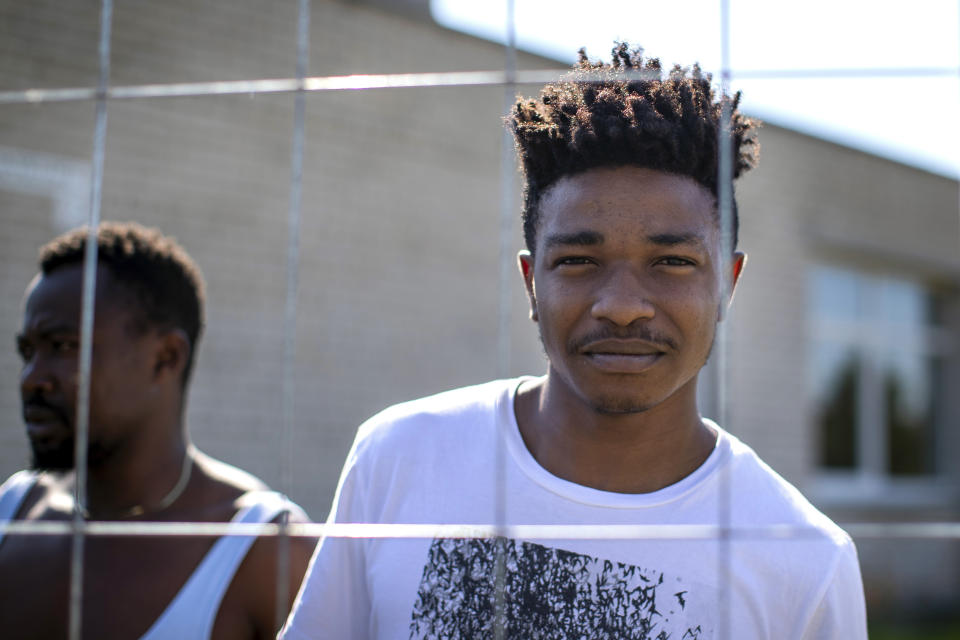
x=63, y=346
x=573, y=261
x=25, y=350
x=676, y=261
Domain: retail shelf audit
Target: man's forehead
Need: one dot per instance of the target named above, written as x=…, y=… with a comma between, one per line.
x=57, y=296
x=64, y=282
x=28, y=292
x=631, y=181
x=630, y=199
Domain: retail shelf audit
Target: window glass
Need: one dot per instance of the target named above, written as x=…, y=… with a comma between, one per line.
x=871, y=372
x=836, y=374
x=908, y=402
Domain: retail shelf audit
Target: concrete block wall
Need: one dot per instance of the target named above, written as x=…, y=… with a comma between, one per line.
x=401, y=198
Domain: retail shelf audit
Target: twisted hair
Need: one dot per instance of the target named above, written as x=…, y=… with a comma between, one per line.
x=165, y=284
x=631, y=116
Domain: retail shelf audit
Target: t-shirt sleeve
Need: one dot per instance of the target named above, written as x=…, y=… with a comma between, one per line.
x=333, y=602
x=841, y=612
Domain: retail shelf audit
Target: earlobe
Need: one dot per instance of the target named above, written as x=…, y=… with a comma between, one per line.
x=739, y=262
x=525, y=262
x=736, y=269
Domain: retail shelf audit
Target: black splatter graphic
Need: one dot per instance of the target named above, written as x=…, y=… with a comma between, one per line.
x=547, y=594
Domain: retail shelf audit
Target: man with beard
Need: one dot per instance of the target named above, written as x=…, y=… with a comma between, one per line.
x=628, y=269
x=148, y=320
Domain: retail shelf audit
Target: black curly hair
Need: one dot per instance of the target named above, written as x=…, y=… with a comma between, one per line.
x=630, y=116
x=164, y=283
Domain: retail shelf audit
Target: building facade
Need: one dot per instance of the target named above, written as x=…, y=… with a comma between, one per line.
x=841, y=351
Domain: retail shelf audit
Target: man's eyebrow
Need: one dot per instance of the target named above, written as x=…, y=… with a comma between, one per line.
x=578, y=238
x=673, y=239
x=44, y=332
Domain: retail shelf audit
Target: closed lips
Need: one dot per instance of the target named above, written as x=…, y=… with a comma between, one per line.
x=622, y=348
x=37, y=413
x=629, y=357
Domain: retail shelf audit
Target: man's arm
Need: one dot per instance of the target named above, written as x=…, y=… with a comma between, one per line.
x=257, y=578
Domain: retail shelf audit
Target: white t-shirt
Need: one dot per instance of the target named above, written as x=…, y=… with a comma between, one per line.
x=446, y=459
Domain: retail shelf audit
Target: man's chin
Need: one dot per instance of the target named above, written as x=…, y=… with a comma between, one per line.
x=57, y=459
x=61, y=456
x=612, y=396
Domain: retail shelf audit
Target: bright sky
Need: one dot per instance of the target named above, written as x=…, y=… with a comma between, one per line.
x=915, y=120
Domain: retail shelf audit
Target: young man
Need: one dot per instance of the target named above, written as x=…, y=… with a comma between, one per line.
x=142, y=467
x=627, y=277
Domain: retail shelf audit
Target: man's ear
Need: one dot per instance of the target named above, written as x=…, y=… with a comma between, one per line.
x=737, y=264
x=172, y=354
x=525, y=262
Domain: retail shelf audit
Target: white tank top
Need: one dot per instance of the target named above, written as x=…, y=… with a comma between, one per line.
x=192, y=612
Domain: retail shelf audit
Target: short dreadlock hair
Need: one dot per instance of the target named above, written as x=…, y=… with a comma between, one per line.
x=630, y=116
x=165, y=284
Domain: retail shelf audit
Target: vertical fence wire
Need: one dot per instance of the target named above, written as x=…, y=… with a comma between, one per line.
x=721, y=339
x=294, y=215
x=507, y=199
x=82, y=420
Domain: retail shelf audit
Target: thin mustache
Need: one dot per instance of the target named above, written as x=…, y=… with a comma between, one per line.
x=636, y=333
x=40, y=403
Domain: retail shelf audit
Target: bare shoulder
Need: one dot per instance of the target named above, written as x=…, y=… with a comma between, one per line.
x=216, y=491
x=226, y=475
x=232, y=484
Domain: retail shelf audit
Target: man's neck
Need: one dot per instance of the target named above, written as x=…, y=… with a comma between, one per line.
x=138, y=478
x=637, y=452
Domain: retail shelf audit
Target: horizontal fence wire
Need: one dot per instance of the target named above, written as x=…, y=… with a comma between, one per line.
x=858, y=530
x=422, y=80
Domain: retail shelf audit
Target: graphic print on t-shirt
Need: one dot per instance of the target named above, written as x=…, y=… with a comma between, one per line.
x=547, y=594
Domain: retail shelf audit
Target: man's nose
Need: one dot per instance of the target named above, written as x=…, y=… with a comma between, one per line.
x=36, y=375
x=623, y=298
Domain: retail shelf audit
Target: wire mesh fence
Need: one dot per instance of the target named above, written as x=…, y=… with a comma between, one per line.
x=316, y=184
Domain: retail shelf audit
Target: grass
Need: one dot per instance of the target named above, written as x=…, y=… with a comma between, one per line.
x=926, y=631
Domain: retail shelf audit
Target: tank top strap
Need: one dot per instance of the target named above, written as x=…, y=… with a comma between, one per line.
x=12, y=493
x=193, y=611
